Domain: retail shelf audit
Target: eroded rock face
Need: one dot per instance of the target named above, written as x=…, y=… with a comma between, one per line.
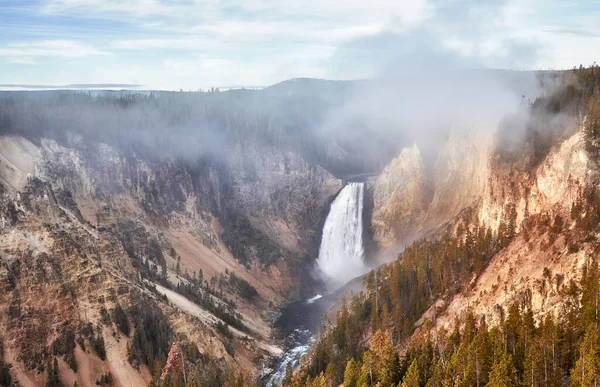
x=275, y=192
x=411, y=200
x=17, y=161
x=80, y=221
x=473, y=187
x=401, y=196
x=539, y=260
x=459, y=176
x=555, y=182
x=265, y=204
x=282, y=193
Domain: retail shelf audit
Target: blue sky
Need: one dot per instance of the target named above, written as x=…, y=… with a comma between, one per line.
x=191, y=44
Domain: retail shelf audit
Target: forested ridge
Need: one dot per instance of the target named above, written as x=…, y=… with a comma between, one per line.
x=373, y=329
x=205, y=125
x=553, y=352
x=372, y=342
x=397, y=294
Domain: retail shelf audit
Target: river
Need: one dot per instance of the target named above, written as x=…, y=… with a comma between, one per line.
x=298, y=323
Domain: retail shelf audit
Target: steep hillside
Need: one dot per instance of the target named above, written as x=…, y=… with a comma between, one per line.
x=401, y=196
x=152, y=238
x=512, y=275
x=114, y=248
x=411, y=200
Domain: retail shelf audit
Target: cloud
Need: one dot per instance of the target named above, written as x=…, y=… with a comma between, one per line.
x=22, y=61
x=573, y=31
x=180, y=43
x=229, y=35
x=434, y=76
x=208, y=24
x=192, y=11
x=457, y=35
x=294, y=38
x=25, y=52
x=137, y=8
x=298, y=30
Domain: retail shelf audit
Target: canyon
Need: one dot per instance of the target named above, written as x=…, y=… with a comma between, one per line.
x=135, y=227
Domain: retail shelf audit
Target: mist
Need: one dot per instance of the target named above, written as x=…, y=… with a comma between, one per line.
x=428, y=79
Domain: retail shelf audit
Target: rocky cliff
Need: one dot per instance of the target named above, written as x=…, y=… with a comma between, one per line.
x=87, y=226
x=401, y=194
x=412, y=200
x=471, y=186
x=549, y=251
x=503, y=287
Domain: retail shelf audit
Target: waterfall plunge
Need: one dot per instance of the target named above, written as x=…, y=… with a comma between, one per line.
x=341, y=254
x=340, y=259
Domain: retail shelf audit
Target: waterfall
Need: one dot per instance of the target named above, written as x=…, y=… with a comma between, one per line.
x=340, y=259
x=341, y=253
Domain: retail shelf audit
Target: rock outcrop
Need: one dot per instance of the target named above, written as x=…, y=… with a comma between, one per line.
x=540, y=260
x=401, y=195
x=92, y=226
x=499, y=196
x=557, y=181
x=411, y=200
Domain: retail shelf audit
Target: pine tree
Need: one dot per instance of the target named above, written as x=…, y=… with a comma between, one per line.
x=193, y=379
x=503, y=373
x=320, y=381
x=330, y=376
x=381, y=346
x=459, y=371
x=549, y=334
x=590, y=295
x=534, y=366
x=412, y=377
x=587, y=369
x=351, y=374
x=53, y=374
x=480, y=357
x=437, y=375
x=368, y=374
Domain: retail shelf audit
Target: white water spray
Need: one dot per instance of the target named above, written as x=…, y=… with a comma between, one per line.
x=341, y=254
